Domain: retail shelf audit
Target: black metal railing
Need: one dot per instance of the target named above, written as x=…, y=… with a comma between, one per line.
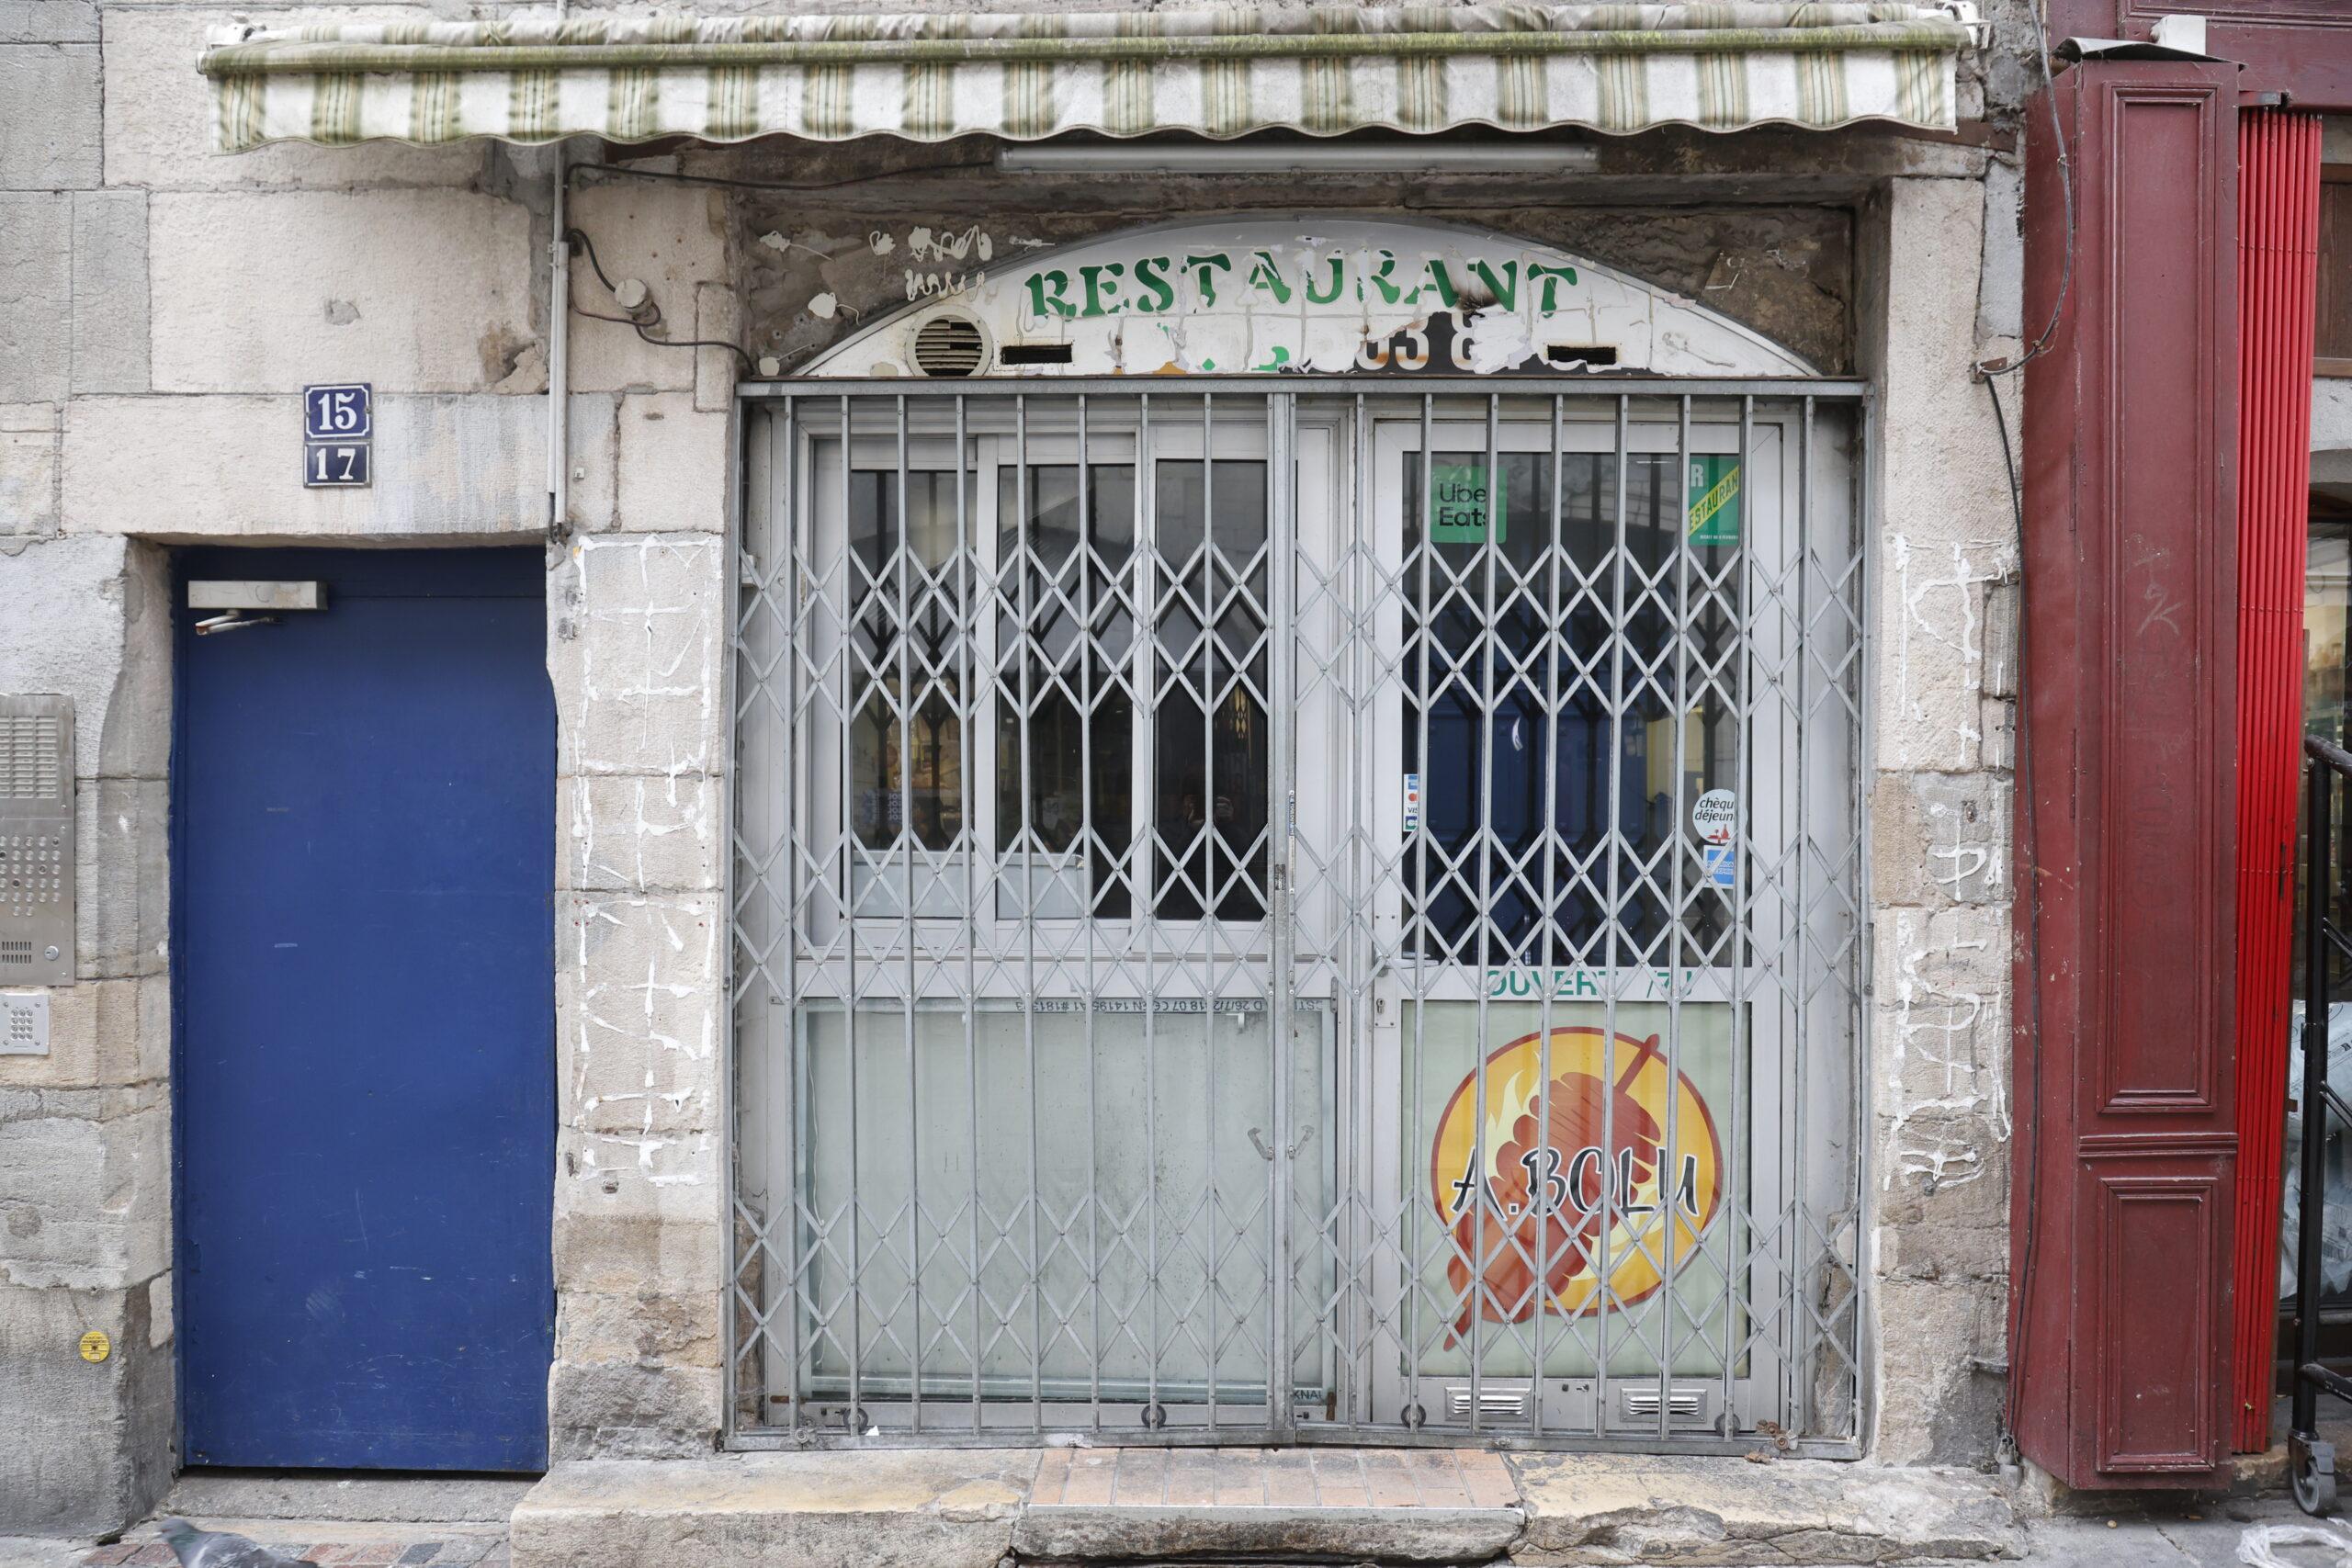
x=2311, y=1460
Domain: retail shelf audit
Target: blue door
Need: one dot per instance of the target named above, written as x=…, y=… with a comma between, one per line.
x=363, y=952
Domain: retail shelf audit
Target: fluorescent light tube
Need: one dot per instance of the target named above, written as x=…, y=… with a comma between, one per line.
x=1298, y=157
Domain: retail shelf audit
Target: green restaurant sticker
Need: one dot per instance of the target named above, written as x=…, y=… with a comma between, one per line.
x=1466, y=501
x=1715, y=501
x=1463, y=500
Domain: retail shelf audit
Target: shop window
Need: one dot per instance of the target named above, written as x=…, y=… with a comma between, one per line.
x=2334, y=352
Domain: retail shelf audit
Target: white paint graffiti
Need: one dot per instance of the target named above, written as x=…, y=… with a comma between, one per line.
x=1947, y=1098
x=921, y=284
x=642, y=951
x=1937, y=718
x=974, y=241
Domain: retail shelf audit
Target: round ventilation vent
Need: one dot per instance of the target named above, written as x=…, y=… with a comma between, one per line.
x=949, y=346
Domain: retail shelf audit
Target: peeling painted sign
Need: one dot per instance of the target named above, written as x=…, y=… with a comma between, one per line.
x=1357, y=297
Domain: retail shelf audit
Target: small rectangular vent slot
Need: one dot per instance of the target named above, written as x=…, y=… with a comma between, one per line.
x=16, y=952
x=29, y=757
x=1682, y=1403
x=1584, y=353
x=1492, y=1403
x=1036, y=354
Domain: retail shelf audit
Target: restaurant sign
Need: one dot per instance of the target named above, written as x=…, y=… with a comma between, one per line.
x=1290, y=296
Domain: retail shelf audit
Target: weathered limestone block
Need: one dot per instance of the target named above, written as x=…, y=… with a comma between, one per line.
x=719, y=318
x=1937, y=1332
x=48, y=138
x=1947, y=523
x=594, y=452
x=626, y=1410
x=63, y=630
x=446, y=467
x=629, y=1210
x=673, y=470
x=637, y=1249
x=48, y=21
x=123, y=900
x=940, y=1509
x=638, y=1004
x=670, y=237
x=36, y=295
x=101, y=1032
x=85, y=1174
x=1607, y=1508
x=29, y=468
x=651, y=1326
x=624, y=833
x=415, y=290
x=1939, y=838
x=86, y=1445
x=160, y=119
x=111, y=317
x=638, y=679
x=1941, y=1028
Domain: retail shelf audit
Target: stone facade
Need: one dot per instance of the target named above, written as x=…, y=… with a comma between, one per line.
x=164, y=306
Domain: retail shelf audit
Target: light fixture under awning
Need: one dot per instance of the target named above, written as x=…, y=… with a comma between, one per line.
x=1026, y=75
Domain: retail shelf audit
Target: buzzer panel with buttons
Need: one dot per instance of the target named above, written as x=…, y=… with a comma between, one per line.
x=35, y=840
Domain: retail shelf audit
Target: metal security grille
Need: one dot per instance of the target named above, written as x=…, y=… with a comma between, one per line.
x=1301, y=915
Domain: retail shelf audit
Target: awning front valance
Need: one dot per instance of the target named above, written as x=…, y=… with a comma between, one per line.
x=1025, y=76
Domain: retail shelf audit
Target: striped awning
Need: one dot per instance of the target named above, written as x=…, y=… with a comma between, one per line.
x=1023, y=75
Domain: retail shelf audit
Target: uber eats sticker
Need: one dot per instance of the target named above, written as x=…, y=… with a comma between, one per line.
x=1715, y=501
x=1464, y=499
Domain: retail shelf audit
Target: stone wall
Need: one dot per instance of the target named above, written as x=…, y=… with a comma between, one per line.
x=163, y=307
x=1944, y=677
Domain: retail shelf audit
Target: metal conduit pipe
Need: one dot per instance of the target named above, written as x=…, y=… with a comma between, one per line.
x=559, y=360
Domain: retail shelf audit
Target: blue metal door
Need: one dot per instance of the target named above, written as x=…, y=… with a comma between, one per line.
x=363, y=966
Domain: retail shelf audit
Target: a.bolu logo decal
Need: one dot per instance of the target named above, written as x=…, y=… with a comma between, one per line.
x=1583, y=1194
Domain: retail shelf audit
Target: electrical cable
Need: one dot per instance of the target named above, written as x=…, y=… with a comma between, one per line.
x=2066, y=187
x=1987, y=372
x=2024, y=1282
x=588, y=246
x=616, y=171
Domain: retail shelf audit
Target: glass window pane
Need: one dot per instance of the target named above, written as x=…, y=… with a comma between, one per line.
x=1064, y=716
x=1535, y=652
x=907, y=737
x=1211, y=748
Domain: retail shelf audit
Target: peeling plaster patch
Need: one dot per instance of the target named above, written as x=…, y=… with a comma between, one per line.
x=1499, y=339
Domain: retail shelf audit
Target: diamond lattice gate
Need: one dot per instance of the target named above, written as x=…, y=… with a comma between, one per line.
x=1299, y=916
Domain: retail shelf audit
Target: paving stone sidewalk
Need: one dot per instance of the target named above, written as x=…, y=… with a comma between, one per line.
x=473, y=1551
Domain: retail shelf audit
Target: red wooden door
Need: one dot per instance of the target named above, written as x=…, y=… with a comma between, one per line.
x=2121, y=1353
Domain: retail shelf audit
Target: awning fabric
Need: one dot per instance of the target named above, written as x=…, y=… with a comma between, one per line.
x=1025, y=76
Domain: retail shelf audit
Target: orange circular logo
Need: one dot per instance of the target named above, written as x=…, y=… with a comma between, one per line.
x=1581, y=1191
